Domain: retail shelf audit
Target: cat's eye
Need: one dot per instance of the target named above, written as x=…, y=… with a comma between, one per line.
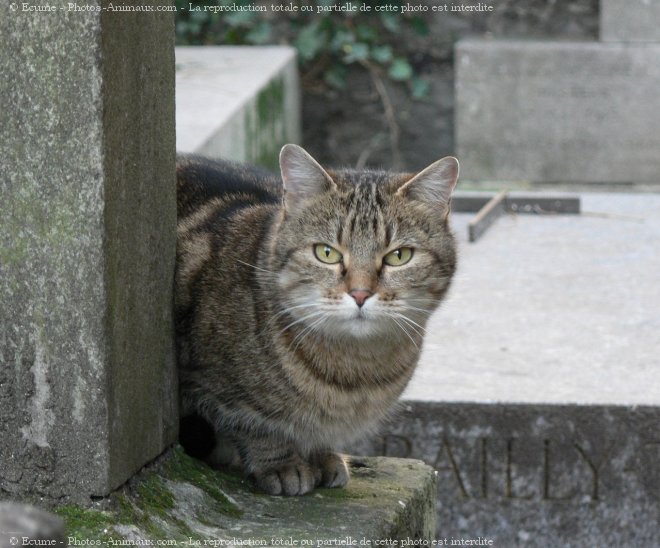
x=398, y=257
x=327, y=254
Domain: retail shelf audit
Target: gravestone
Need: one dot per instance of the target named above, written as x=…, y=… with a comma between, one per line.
x=537, y=396
x=630, y=20
x=546, y=111
x=87, y=243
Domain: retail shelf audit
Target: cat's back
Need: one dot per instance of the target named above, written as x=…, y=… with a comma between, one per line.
x=224, y=211
x=221, y=185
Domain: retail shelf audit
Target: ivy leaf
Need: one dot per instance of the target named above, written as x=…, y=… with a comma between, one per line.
x=240, y=18
x=341, y=39
x=356, y=52
x=382, y=54
x=400, y=70
x=310, y=41
x=420, y=87
x=390, y=21
x=366, y=33
x=335, y=76
x=260, y=34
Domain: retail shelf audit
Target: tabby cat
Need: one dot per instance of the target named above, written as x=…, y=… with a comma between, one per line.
x=301, y=304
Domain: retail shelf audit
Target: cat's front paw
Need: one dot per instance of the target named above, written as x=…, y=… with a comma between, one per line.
x=289, y=480
x=334, y=472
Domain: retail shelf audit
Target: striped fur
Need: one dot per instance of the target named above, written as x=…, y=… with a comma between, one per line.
x=273, y=351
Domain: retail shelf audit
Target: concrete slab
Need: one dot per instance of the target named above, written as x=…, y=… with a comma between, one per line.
x=557, y=111
x=552, y=309
x=629, y=20
x=241, y=103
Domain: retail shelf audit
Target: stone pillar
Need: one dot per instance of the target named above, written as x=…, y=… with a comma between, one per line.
x=87, y=243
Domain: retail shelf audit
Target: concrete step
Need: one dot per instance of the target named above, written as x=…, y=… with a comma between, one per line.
x=182, y=501
x=557, y=111
x=240, y=103
x=537, y=397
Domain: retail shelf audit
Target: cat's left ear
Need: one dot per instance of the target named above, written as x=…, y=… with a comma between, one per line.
x=434, y=184
x=303, y=176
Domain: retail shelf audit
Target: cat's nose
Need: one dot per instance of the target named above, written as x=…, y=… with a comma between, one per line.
x=360, y=295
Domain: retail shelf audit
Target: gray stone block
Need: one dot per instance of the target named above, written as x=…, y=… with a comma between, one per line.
x=22, y=525
x=537, y=475
x=554, y=111
x=630, y=20
x=241, y=103
x=87, y=228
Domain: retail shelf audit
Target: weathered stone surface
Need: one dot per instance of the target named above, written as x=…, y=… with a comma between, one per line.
x=241, y=103
x=555, y=111
x=19, y=522
x=184, y=500
x=630, y=20
x=87, y=379
x=536, y=475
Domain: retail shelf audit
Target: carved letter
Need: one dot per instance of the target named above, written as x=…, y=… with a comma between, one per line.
x=452, y=465
x=484, y=468
x=595, y=469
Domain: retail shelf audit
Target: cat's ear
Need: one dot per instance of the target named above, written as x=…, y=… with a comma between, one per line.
x=434, y=184
x=302, y=175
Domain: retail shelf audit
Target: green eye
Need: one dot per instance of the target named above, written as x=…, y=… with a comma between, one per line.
x=398, y=257
x=327, y=254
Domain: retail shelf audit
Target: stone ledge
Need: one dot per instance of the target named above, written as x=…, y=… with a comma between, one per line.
x=240, y=103
x=180, y=499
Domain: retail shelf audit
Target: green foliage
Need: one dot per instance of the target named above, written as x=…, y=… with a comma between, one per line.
x=329, y=42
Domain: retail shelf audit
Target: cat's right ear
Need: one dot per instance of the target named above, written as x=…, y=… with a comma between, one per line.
x=434, y=184
x=302, y=175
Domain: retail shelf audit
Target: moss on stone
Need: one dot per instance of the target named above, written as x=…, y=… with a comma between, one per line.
x=86, y=523
x=154, y=495
x=181, y=498
x=181, y=467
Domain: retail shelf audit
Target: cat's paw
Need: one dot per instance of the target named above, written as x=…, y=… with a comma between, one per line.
x=334, y=472
x=288, y=480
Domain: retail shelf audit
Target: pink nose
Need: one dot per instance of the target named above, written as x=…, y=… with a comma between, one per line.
x=360, y=295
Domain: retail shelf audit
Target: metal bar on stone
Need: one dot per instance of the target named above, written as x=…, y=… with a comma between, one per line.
x=534, y=203
x=487, y=215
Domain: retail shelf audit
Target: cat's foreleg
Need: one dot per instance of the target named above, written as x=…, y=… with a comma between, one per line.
x=331, y=467
x=277, y=467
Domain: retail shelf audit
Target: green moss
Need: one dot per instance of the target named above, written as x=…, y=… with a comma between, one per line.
x=84, y=523
x=265, y=125
x=155, y=496
x=184, y=468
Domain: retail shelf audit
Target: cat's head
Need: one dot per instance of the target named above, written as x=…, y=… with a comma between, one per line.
x=362, y=253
